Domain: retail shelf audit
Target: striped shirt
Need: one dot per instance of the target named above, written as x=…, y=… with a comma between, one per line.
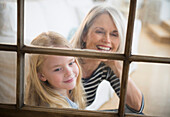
x=103, y=72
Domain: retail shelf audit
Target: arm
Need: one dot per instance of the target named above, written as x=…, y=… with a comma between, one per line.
x=134, y=95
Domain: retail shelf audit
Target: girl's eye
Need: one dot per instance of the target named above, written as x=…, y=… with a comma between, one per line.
x=58, y=69
x=72, y=63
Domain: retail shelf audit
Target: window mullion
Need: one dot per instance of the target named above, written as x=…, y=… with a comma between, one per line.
x=126, y=62
x=139, y=58
x=7, y=47
x=72, y=52
x=20, y=55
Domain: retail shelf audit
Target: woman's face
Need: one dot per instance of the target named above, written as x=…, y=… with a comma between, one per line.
x=60, y=71
x=102, y=35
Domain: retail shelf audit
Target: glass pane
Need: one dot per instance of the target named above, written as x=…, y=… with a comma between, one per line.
x=53, y=81
x=53, y=15
x=8, y=21
x=8, y=77
x=101, y=81
x=154, y=34
x=60, y=16
x=151, y=35
x=153, y=80
x=109, y=95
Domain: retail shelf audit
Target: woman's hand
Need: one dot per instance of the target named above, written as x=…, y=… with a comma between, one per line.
x=116, y=66
x=134, y=95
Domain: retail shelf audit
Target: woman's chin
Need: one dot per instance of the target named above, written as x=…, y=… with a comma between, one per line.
x=103, y=60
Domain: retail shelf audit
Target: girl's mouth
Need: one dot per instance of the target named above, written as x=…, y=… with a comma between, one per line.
x=69, y=81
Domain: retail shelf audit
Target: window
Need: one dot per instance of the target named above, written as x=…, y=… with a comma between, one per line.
x=19, y=109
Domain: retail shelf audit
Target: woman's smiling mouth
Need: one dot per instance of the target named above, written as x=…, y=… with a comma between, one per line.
x=105, y=48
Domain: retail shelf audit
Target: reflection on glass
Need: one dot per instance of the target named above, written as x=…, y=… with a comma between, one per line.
x=8, y=77
x=153, y=81
x=8, y=21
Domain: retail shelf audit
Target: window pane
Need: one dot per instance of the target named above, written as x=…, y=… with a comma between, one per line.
x=150, y=47
x=51, y=80
x=8, y=21
x=8, y=77
x=60, y=16
x=107, y=90
x=151, y=35
x=52, y=15
x=154, y=37
x=153, y=81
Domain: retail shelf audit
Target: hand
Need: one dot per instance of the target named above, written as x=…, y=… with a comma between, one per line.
x=116, y=66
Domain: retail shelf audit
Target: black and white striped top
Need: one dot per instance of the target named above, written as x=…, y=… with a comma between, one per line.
x=103, y=72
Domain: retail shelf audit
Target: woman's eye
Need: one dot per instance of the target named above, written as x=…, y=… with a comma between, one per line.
x=58, y=69
x=100, y=31
x=113, y=34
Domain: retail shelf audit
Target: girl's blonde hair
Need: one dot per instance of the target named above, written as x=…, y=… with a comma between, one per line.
x=40, y=93
x=117, y=17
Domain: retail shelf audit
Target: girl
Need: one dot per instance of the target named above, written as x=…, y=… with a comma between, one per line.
x=54, y=81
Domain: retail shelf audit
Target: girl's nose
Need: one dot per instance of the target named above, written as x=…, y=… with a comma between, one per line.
x=68, y=72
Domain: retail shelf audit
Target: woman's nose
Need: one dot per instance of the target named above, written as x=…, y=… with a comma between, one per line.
x=107, y=38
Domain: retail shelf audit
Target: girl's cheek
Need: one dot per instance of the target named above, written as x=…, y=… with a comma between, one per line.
x=77, y=69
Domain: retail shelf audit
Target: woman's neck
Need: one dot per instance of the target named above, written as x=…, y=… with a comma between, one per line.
x=88, y=66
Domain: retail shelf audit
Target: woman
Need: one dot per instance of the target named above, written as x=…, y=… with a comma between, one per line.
x=103, y=29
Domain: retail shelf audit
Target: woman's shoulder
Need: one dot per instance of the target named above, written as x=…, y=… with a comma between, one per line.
x=107, y=69
x=102, y=68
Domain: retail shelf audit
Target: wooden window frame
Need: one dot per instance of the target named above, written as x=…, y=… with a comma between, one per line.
x=20, y=110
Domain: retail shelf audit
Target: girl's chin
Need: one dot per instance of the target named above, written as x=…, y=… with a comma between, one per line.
x=71, y=86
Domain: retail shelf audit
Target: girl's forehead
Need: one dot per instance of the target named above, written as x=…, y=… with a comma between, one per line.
x=53, y=61
x=59, y=59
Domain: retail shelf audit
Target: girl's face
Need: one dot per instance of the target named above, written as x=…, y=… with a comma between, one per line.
x=60, y=71
x=103, y=35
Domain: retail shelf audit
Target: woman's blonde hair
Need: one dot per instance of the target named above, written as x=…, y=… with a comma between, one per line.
x=40, y=93
x=117, y=17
